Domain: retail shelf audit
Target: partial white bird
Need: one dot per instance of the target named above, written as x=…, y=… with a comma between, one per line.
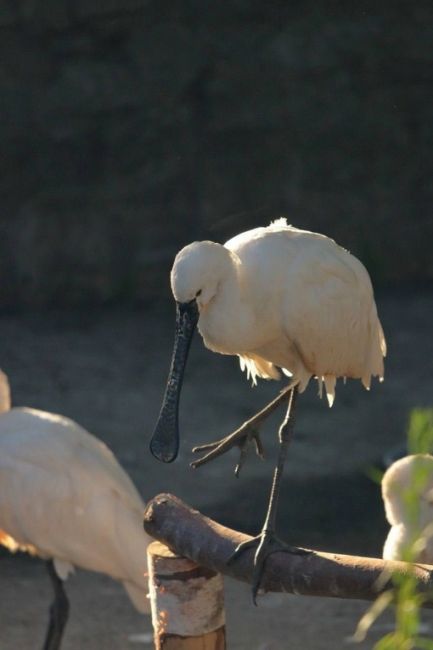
x=279, y=298
x=407, y=492
x=65, y=498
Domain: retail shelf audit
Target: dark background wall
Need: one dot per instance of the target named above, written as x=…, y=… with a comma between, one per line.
x=130, y=127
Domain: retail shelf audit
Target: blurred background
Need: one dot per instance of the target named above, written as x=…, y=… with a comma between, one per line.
x=129, y=128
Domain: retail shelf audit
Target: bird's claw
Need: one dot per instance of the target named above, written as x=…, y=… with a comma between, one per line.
x=267, y=543
x=240, y=438
x=244, y=443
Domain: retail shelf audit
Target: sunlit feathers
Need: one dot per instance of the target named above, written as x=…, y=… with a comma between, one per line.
x=284, y=298
x=407, y=492
x=63, y=496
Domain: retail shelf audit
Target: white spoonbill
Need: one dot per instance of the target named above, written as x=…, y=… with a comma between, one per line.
x=407, y=491
x=65, y=498
x=278, y=297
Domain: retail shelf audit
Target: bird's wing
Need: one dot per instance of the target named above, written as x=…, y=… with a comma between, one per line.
x=331, y=315
x=320, y=297
x=48, y=440
x=63, y=493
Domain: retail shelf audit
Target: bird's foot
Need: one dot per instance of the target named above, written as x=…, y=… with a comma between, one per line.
x=241, y=438
x=267, y=543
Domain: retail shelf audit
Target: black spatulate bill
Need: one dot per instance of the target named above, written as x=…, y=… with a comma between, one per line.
x=165, y=440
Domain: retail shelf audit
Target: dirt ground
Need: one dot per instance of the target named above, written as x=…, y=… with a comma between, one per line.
x=107, y=370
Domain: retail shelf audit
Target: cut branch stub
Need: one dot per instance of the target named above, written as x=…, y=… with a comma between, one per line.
x=187, y=602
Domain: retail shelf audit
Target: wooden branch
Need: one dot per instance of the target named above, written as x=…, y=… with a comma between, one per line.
x=191, y=534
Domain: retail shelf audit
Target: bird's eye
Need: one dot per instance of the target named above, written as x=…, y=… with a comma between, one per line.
x=198, y=293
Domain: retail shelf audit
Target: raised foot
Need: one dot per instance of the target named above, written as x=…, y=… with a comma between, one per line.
x=267, y=543
x=241, y=438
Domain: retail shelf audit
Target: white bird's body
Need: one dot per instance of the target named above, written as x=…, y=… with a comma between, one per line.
x=407, y=492
x=280, y=297
x=63, y=496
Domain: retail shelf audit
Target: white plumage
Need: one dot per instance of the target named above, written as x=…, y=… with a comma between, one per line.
x=407, y=492
x=280, y=297
x=63, y=496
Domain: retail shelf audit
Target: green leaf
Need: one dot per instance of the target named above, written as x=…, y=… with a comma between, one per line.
x=420, y=433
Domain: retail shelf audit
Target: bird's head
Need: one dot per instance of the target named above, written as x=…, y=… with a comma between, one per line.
x=407, y=490
x=197, y=271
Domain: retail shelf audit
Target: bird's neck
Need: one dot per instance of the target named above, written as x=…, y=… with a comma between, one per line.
x=226, y=323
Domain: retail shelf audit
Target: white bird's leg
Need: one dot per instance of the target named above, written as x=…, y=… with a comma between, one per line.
x=246, y=433
x=267, y=540
x=59, y=611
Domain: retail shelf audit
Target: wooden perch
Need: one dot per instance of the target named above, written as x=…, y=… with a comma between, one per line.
x=209, y=544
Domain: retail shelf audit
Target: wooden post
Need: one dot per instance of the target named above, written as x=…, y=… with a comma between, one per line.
x=187, y=602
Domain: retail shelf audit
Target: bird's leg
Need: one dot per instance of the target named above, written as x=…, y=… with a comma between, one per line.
x=246, y=433
x=267, y=540
x=59, y=611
